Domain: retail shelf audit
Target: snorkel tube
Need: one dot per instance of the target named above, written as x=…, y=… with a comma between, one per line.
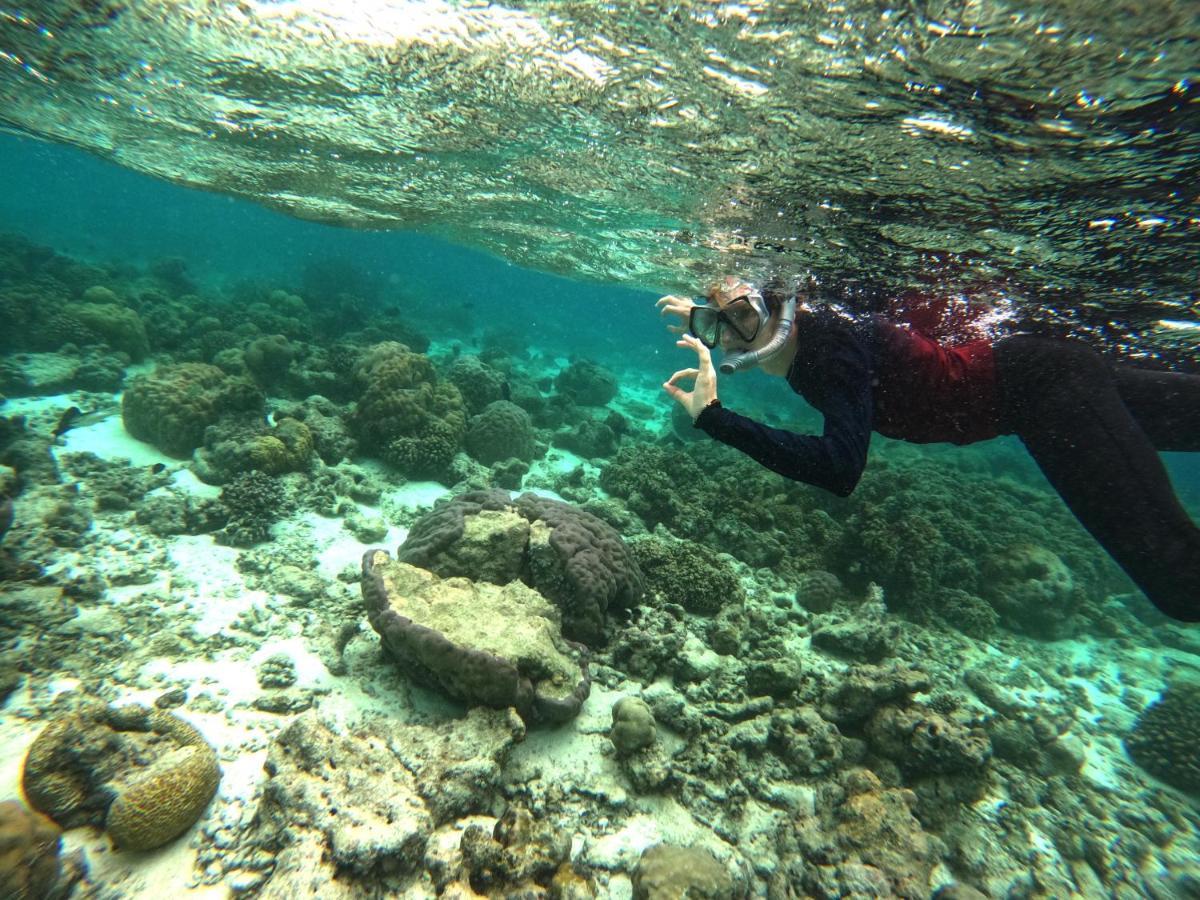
x=736, y=360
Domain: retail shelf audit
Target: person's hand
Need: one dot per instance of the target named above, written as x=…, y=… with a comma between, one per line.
x=676, y=306
x=704, y=391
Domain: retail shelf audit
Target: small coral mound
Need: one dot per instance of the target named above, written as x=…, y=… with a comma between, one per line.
x=479, y=643
x=29, y=853
x=478, y=382
x=587, y=383
x=253, y=502
x=502, y=431
x=119, y=327
x=688, y=574
x=633, y=726
x=568, y=555
x=1165, y=740
x=668, y=873
x=818, y=591
x=520, y=858
x=171, y=407
x=405, y=413
x=1032, y=590
x=143, y=774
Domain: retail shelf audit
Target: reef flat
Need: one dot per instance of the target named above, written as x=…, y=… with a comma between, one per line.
x=459, y=616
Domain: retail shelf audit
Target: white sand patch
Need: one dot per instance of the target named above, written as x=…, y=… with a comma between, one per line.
x=185, y=479
x=208, y=581
x=334, y=547
x=417, y=494
x=109, y=440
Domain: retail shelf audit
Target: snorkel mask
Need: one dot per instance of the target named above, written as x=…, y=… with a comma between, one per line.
x=744, y=315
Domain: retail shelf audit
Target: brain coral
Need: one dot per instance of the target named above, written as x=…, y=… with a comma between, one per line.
x=479, y=643
x=402, y=400
x=171, y=407
x=502, y=431
x=1165, y=740
x=568, y=555
x=143, y=774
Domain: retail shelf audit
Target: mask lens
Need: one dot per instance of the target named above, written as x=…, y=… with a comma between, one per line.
x=705, y=323
x=743, y=318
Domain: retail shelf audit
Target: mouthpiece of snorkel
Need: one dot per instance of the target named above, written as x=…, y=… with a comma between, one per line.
x=744, y=359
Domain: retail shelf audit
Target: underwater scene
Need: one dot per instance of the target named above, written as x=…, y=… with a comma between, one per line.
x=580, y=450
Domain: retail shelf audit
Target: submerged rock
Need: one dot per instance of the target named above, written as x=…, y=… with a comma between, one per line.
x=479, y=643
x=569, y=555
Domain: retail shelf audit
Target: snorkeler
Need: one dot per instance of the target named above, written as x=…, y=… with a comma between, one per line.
x=1092, y=427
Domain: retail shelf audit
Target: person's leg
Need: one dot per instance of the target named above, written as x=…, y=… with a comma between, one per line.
x=1165, y=404
x=1062, y=400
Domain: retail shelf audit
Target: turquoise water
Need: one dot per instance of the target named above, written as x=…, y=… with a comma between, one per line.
x=482, y=615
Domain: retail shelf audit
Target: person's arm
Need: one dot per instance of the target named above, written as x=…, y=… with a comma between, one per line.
x=835, y=460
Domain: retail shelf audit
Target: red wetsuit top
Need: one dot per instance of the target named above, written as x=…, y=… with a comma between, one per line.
x=863, y=376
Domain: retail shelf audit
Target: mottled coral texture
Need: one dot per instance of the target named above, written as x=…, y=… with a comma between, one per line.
x=479, y=643
x=1165, y=740
x=571, y=556
x=171, y=407
x=144, y=775
x=404, y=413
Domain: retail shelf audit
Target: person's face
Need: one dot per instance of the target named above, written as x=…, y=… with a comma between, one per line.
x=731, y=295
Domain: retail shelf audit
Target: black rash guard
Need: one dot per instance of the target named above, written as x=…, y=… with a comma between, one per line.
x=863, y=376
x=1093, y=428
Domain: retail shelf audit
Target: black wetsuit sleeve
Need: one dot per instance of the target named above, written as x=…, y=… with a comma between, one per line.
x=836, y=379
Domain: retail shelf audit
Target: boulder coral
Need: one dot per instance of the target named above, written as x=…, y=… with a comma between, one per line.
x=587, y=383
x=119, y=327
x=481, y=644
x=402, y=408
x=144, y=775
x=567, y=554
x=1165, y=738
x=665, y=873
x=502, y=431
x=478, y=383
x=171, y=407
x=688, y=574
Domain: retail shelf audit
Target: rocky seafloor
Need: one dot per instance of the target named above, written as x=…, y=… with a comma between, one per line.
x=457, y=620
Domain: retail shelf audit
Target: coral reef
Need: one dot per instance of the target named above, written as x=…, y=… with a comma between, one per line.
x=685, y=573
x=501, y=431
x=567, y=554
x=479, y=384
x=1165, y=740
x=144, y=775
x=405, y=413
x=253, y=502
x=30, y=844
x=586, y=383
x=172, y=407
x=633, y=726
x=479, y=643
x=666, y=872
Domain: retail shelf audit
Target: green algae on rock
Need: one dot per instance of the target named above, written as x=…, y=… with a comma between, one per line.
x=477, y=642
x=143, y=774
